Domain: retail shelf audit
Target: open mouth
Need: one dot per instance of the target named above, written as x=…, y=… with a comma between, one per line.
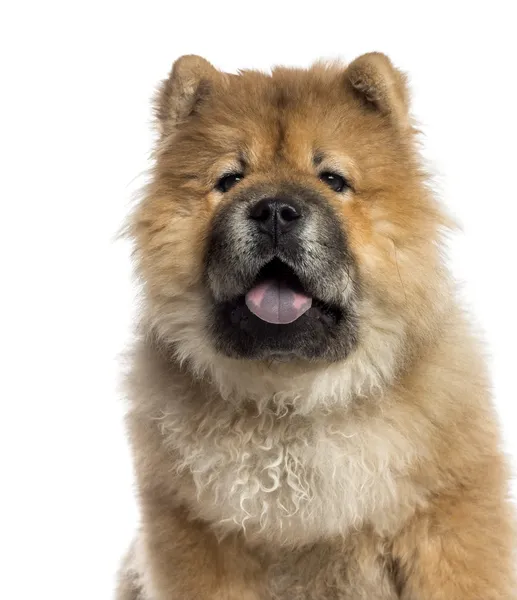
x=278, y=297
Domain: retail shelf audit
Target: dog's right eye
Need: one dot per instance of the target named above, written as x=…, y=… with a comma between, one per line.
x=228, y=181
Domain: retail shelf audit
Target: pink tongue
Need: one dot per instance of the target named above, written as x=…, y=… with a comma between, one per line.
x=277, y=303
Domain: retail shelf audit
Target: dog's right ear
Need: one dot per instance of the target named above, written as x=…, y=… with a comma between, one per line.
x=189, y=81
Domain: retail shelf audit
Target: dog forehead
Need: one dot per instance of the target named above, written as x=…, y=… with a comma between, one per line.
x=271, y=119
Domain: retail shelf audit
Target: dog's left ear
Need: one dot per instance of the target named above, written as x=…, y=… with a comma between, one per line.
x=383, y=87
x=189, y=82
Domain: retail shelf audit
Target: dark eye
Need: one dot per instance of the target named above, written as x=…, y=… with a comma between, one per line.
x=334, y=181
x=228, y=181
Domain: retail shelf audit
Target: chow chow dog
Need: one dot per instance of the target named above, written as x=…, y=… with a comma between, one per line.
x=310, y=414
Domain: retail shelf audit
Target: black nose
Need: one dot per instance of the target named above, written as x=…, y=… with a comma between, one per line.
x=275, y=216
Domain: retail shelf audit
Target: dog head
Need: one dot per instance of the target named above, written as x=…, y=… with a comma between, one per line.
x=288, y=220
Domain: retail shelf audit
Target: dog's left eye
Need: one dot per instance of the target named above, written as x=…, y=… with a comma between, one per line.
x=334, y=181
x=228, y=181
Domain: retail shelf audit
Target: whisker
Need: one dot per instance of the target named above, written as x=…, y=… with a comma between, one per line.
x=398, y=269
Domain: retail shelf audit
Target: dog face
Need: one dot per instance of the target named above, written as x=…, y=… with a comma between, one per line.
x=288, y=218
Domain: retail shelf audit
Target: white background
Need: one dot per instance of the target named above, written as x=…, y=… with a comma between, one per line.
x=74, y=134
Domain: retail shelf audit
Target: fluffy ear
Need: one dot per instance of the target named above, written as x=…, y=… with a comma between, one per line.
x=381, y=85
x=189, y=81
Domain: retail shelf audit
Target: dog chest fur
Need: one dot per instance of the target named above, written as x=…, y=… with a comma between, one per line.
x=287, y=478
